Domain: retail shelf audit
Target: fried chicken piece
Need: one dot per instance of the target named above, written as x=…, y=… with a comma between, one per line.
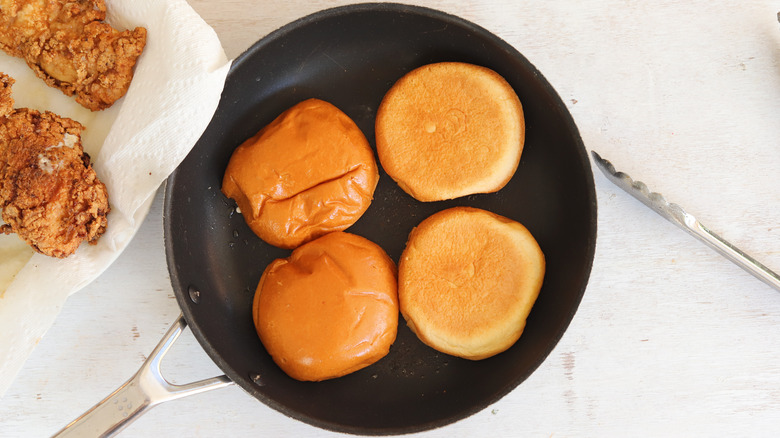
x=68, y=45
x=50, y=195
x=6, y=102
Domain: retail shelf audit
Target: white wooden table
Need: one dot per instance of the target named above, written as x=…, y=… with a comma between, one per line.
x=670, y=338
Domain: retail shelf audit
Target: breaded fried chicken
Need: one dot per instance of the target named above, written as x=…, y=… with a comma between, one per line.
x=50, y=195
x=6, y=102
x=68, y=45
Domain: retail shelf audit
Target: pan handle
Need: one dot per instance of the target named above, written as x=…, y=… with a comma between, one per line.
x=143, y=391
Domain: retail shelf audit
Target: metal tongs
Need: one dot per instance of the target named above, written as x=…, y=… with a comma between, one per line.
x=676, y=215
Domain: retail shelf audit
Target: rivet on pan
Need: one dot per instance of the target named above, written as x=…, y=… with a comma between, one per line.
x=257, y=378
x=235, y=233
x=194, y=294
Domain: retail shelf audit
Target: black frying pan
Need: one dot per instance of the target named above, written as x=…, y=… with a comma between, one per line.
x=350, y=56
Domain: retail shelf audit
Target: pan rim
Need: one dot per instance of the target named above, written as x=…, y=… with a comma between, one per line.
x=512, y=384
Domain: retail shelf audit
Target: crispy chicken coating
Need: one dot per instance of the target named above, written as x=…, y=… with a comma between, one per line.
x=49, y=193
x=68, y=45
x=6, y=102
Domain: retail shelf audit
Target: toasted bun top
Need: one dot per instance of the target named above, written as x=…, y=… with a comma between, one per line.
x=450, y=129
x=329, y=309
x=467, y=280
x=309, y=172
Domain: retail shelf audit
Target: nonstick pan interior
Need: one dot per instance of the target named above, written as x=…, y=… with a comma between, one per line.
x=350, y=56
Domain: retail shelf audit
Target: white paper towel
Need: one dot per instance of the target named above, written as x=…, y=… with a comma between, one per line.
x=135, y=145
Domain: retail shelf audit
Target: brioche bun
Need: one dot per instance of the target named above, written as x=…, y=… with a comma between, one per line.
x=309, y=172
x=450, y=129
x=329, y=309
x=467, y=280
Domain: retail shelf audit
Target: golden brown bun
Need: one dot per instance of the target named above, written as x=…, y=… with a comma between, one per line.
x=309, y=172
x=329, y=309
x=467, y=281
x=450, y=129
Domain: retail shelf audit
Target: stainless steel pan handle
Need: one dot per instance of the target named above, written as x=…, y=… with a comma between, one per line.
x=143, y=391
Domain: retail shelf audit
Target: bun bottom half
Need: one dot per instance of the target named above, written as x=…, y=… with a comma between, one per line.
x=467, y=281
